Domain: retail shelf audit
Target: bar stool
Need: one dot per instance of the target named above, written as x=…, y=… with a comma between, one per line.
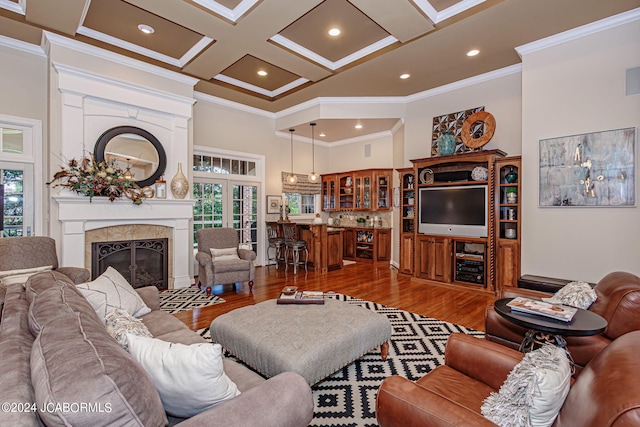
x=275, y=242
x=293, y=243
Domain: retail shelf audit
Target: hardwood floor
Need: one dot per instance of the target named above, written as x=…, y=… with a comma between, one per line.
x=379, y=284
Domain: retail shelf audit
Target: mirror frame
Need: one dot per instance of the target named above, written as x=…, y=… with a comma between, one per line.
x=108, y=135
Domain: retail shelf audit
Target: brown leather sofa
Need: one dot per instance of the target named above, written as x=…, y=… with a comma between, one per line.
x=606, y=393
x=618, y=302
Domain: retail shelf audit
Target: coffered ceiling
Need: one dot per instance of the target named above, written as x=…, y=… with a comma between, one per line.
x=276, y=54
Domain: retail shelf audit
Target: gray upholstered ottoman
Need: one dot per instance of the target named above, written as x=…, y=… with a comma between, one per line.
x=312, y=340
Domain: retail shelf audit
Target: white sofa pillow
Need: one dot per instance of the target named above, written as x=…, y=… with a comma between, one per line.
x=224, y=254
x=9, y=277
x=111, y=291
x=534, y=392
x=189, y=378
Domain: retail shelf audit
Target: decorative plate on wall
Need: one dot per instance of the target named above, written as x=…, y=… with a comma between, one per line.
x=483, y=119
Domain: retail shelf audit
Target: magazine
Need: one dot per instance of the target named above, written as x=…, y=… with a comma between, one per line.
x=554, y=311
x=301, y=297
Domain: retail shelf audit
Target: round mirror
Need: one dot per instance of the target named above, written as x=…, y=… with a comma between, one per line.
x=134, y=150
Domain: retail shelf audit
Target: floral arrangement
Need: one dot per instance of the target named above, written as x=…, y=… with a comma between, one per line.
x=92, y=178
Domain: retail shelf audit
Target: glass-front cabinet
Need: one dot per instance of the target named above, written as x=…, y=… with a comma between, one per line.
x=383, y=190
x=362, y=191
x=508, y=220
x=329, y=191
x=346, y=190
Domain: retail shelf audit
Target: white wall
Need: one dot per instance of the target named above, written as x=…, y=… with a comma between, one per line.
x=573, y=88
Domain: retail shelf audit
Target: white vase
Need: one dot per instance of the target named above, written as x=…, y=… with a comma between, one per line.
x=179, y=184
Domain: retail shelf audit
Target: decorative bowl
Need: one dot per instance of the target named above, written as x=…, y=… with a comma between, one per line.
x=479, y=173
x=289, y=290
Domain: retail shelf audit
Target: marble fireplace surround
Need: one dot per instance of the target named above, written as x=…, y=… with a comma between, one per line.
x=125, y=233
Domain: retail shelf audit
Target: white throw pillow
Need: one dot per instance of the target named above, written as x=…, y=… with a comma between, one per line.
x=119, y=323
x=534, y=392
x=224, y=254
x=189, y=378
x=111, y=291
x=21, y=276
x=575, y=294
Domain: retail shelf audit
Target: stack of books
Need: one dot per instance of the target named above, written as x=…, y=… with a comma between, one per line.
x=291, y=295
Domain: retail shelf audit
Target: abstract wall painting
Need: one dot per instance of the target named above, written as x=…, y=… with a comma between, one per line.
x=592, y=169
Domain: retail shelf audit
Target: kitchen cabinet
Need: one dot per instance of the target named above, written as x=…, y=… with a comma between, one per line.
x=361, y=190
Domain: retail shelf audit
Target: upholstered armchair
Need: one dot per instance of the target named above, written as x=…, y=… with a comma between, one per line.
x=618, y=302
x=19, y=253
x=220, y=261
x=606, y=393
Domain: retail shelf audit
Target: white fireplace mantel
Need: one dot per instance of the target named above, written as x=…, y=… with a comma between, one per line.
x=77, y=215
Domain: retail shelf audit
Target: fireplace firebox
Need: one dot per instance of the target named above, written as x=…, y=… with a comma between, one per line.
x=141, y=262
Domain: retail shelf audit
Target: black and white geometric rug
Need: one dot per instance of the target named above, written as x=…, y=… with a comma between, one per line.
x=348, y=397
x=177, y=300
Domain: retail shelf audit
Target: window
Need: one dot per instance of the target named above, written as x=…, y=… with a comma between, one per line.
x=301, y=204
x=12, y=203
x=223, y=165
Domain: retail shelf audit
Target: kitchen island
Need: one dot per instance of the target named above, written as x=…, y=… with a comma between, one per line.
x=324, y=244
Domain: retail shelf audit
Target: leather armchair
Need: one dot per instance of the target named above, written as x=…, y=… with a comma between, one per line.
x=607, y=393
x=17, y=253
x=212, y=272
x=618, y=302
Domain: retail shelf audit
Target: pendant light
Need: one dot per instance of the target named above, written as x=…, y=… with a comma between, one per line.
x=292, y=178
x=313, y=176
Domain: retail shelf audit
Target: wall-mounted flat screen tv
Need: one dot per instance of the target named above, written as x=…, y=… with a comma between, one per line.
x=454, y=210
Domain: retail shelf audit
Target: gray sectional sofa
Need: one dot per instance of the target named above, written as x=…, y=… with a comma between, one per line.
x=58, y=366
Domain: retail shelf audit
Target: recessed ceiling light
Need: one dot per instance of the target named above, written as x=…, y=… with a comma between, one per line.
x=405, y=76
x=322, y=134
x=334, y=32
x=473, y=52
x=358, y=126
x=147, y=29
x=262, y=73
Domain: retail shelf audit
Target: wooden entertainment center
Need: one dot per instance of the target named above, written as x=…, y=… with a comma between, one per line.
x=488, y=262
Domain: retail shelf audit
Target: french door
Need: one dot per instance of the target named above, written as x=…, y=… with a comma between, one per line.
x=227, y=203
x=16, y=204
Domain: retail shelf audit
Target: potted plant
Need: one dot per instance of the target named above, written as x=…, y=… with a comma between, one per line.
x=512, y=194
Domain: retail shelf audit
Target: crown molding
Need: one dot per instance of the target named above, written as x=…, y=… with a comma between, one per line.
x=54, y=39
x=436, y=17
x=362, y=138
x=22, y=46
x=307, y=53
x=181, y=62
x=320, y=101
x=231, y=14
x=200, y=96
x=254, y=88
x=576, y=33
x=491, y=75
x=13, y=6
